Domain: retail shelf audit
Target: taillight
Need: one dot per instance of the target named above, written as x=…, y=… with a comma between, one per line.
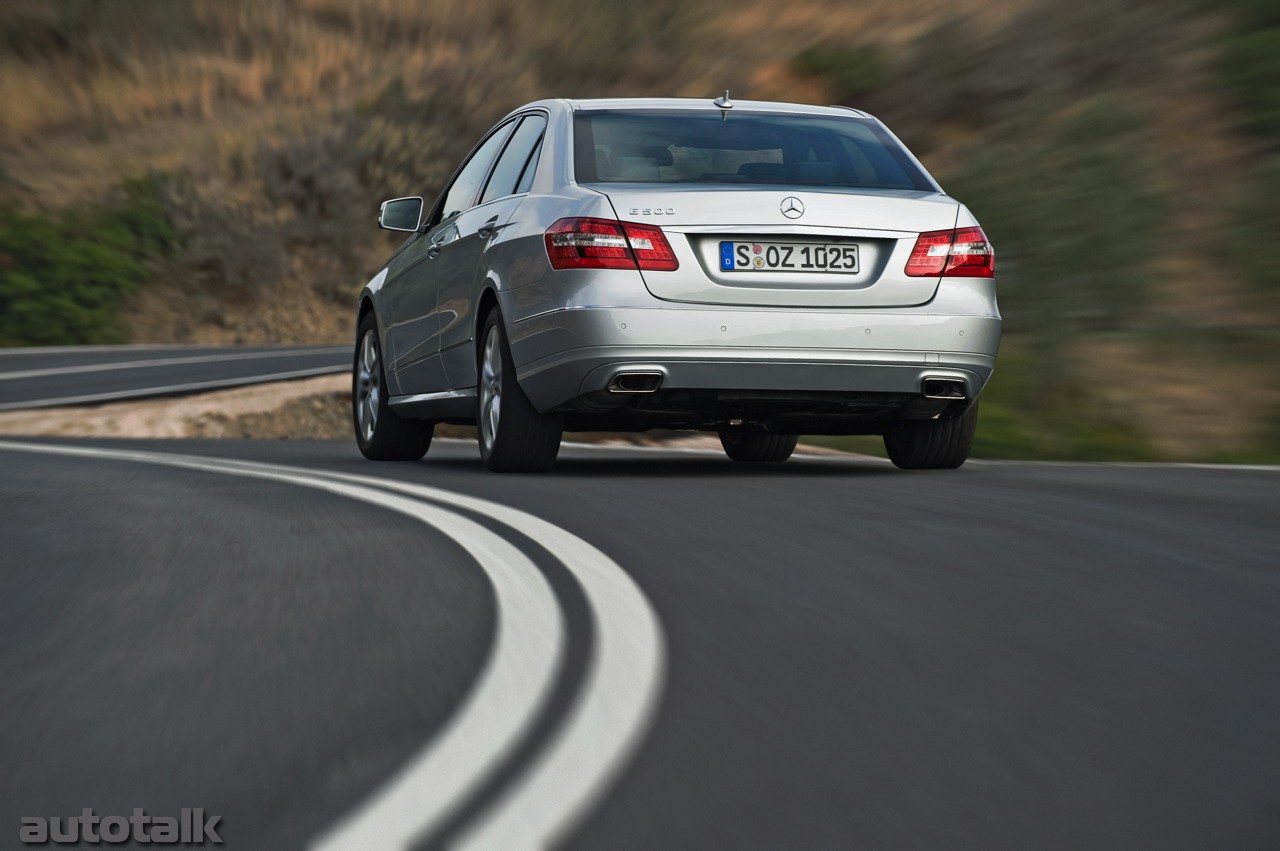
x=959, y=253
x=582, y=243
x=650, y=247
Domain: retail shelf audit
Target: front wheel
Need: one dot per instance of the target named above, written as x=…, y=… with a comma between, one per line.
x=514, y=436
x=380, y=434
x=754, y=448
x=941, y=444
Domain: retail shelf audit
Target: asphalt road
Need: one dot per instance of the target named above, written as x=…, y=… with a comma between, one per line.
x=88, y=375
x=641, y=649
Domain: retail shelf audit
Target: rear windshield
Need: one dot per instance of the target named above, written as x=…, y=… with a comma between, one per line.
x=740, y=148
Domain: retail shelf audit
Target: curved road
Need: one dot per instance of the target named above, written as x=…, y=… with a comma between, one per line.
x=91, y=375
x=642, y=649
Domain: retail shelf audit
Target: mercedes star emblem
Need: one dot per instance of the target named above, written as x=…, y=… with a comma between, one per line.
x=792, y=207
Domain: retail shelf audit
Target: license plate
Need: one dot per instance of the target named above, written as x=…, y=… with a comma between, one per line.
x=788, y=257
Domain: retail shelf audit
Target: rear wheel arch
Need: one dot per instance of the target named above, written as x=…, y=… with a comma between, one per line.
x=366, y=307
x=487, y=302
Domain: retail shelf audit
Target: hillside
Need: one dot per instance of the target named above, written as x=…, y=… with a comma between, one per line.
x=194, y=170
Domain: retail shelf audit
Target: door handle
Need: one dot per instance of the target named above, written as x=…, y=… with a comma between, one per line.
x=488, y=229
x=433, y=252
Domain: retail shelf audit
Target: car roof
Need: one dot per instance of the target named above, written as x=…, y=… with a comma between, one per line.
x=693, y=104
x=707, y=104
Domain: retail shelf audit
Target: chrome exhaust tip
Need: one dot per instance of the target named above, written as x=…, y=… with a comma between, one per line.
x=944, y=388
x=635, y=382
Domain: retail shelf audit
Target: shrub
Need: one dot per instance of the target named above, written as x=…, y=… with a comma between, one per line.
x=1252, y=13
x=406, y=158
x=63, y=278
x=850, y=71
x=314, y=177
x=1249, y=68
x=138, y=207
x=1248, y=238
x=1019, y=419
x=1070, y=201
x=958, y=73
x=232, y=252
x=596, y=49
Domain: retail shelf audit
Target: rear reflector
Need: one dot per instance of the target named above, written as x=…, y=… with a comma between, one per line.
x=581, y=243
x=960, y=253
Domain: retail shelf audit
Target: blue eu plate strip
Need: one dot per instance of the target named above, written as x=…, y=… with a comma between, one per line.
x=726, y=256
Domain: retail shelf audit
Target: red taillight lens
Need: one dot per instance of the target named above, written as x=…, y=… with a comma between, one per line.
x=582, y=243
x=588, y=244
x=651, y=247
x=960, y=253
x=929, y=257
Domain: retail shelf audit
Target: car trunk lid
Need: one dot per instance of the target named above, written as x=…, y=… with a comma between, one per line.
x=703, y=223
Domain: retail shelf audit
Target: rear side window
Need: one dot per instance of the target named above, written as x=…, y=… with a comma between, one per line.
x=462, y=192
x=530, y=168
x=752, y=148
x=511, y=165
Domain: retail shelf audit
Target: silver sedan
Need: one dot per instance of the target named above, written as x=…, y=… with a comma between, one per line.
x=759, y=270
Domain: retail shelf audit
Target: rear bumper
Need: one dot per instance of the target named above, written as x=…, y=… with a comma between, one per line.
x=564, y=354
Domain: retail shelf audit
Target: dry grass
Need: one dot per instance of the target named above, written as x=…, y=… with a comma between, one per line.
x=214, y=58
x=293, y=314
x=1189, y=405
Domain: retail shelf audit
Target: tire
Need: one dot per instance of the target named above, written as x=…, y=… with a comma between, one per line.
x=753, y=448
x=941, y=444
x=514, y=437
x=380, y=433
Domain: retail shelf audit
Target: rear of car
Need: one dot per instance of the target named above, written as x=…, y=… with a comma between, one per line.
x=757, y=270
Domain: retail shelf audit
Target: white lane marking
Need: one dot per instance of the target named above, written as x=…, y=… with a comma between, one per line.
x=1131, y=465
x=611, y=713
x=496, y=715
x=178, y=361
x=610, y=716
x=58, y=350
x=172, y=389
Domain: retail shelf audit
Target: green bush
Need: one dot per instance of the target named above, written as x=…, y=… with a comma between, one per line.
x=1251, y=13
x=599, y=49
x=850, y=71
x=1247, y=241
x=1038, y=407
x=1249, y=68
x=1268, y=437
x=63, y=278
x=1071, y=203
x=98, y=35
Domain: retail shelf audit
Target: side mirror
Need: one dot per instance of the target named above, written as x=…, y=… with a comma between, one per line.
x=403, y=214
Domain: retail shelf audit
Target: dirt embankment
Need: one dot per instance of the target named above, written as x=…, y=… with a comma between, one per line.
x=310, y=409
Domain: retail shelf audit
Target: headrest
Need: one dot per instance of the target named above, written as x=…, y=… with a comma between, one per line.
x=659, y=154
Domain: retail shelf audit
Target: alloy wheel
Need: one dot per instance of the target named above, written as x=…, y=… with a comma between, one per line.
x=368, y=385
x=490, y=388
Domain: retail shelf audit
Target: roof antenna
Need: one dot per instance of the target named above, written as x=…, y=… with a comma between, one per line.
x=725, y=104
